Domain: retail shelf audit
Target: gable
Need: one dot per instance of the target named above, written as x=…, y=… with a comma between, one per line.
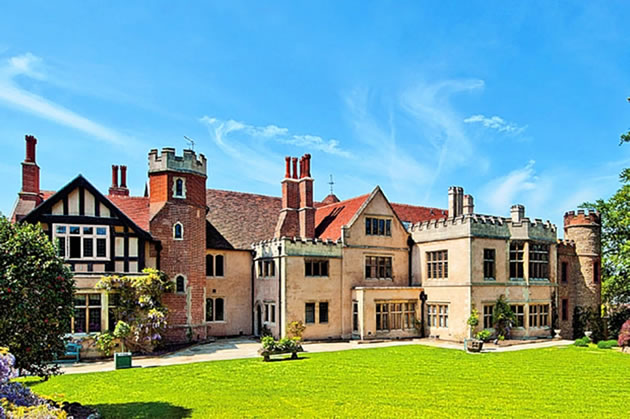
x=80, y=202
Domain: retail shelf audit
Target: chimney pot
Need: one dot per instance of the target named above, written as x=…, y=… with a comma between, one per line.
x=517, y=212
x=287, y=173
x=294, y=161
x=469, y=206
x=123, y=176
x=30, y=148
x=114, y=176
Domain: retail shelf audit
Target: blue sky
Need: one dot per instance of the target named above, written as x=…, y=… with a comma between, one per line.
x=518, y=102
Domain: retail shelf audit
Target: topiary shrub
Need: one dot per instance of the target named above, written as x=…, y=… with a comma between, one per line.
x=607, y=344
x=582, y=342
x=484, y=335
x=624, y=335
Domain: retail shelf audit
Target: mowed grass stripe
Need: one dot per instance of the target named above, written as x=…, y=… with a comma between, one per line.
x=393, y=381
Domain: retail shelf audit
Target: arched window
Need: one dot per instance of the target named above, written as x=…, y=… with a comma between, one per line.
x=209, y=265
x=180, y=284
x=179, y=187
x=178, y=231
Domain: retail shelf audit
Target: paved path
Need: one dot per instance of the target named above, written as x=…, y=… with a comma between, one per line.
x=247, y=348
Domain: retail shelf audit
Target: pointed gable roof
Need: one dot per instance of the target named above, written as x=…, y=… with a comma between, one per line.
x=133, y=204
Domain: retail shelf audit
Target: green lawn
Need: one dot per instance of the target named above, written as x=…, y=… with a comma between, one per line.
x=394, y=381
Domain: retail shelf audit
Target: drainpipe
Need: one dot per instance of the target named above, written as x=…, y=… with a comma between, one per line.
x=253, y=271
x=280, y=290
x=423, y=298
x=410, y=243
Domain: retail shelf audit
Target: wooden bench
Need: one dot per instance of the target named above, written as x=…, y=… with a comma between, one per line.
x=266, y=354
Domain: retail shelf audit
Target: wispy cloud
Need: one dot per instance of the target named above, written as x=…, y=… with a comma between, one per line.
x=495, y=122
x=500, y=193
x=224, y=128
x=12, y=95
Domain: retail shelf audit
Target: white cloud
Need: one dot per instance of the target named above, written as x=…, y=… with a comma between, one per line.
x=500, y=193
x=12, y=95
x=495, y=122
x=274, y=133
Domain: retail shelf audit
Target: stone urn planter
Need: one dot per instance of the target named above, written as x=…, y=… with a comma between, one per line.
x=474, y=345
x=556, y=333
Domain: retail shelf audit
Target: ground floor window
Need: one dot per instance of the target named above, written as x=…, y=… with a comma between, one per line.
x=565, y=309
x=397, y=315
x=87, y=313
x=355, y=316
x=488, y=311
x=270, y=312
x=437, y=315
x=215, y=309
x=519, y=314
x=323, y=312
x=309, y=313
x=539, y=315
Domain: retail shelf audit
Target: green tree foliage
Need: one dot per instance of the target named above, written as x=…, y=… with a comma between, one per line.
x=36, y=291
x=140, y=306
x=503, y=317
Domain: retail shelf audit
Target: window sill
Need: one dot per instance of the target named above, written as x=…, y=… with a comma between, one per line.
x=490, y=279
x=214, y=276
x=379, y=279
x=316, y=276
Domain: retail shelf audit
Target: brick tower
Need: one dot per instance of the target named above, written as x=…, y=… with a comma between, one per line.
x=177, y=196
x=584, y=229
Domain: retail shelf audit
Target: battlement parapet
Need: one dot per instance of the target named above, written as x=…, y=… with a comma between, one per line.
x=582, y=217
x=167, y=160
x=481, y=219
x=566, y=243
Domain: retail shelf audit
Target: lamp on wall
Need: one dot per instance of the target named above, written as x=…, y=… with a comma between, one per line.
x=423, y=298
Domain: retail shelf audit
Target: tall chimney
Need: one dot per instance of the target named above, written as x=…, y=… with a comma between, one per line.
x=288, y=223
x=517, y=212
x=114, y=176
x=123, y=177
x=469, y=206
x=452, y=202
x=30, y=173
x=115, y=189
x=307, y=210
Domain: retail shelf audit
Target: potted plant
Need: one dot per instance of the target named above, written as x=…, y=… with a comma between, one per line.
x=122, y=359
x=474, y=344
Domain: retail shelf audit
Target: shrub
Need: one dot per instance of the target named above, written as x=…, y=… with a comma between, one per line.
x=503, y=318
x=296, y=329
x=606, y=344
x=582, y=342
x=36, y=298
x=617, y=319
x=484, y=335
x=624, y=335
x=268, y=343
x=105, y=342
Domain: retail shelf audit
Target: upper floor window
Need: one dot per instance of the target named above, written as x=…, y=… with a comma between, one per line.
x=437, y=264
x=180, y=284
x=516, y=260
x=564, y=274
x=270, y=312
x=214, y=265
x=538, y=261
x=489, y=257
x=378, y=267
x=82, y=242
x=179, y=187
x=378, y=226
x=266, y=268
x=178, y=231
x=316, y=268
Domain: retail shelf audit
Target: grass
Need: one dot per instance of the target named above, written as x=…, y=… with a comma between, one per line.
x=394, y=381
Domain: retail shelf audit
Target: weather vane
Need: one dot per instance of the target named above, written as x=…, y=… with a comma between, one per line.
x=331, y=183
x=191, y=141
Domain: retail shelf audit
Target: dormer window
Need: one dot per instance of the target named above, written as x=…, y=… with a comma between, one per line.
x=179, y=187
x=178, y=231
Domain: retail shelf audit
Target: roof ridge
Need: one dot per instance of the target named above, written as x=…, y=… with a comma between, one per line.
x=345, y=200
x=243, y=193
x=418, y=206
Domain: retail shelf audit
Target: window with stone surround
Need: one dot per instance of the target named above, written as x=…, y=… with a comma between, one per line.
x=87, y=313
x=378, y=267
x=82, y=242
x=488, y=311
x=315, y=267
x=323, y=312
x=266, y=268
x=178, y=231
x=489, y=259
x=437, y=315
x=516, y=261
x=539, y=261
x=519, y=314
x=309, y=313
x=179, y=187
x=564, y=274
x=539, y=315
x=355, y=316
x=215, y=309
x=395, y=315
x=270, y=312
x=214, y=265
x=180, y=284
x=437, y=264
x=378, y=226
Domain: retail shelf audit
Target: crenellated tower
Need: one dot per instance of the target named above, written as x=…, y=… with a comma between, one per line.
x=584, y=230
x=177, y=196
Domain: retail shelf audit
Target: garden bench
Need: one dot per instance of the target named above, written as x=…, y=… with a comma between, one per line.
x=72, y=350
x=266, y=354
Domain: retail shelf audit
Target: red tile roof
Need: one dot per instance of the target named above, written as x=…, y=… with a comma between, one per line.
x=134, y=207
x=330, y=218
x=414, y=214
x=243, y=218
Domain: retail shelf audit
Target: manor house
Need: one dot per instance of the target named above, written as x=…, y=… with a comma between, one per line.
x=358, y=268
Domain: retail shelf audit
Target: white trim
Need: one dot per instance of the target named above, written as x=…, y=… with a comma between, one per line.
x=183, y=195
x=182, y=226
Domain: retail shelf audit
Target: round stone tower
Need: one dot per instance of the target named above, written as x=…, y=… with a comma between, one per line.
x=584, y=228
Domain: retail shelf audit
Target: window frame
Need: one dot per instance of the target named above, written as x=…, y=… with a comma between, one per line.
x=82, y=236
x=181, y=235
x=564, y=272
x=181, y=195
x=307, y=305
x=378, y=226
x=86, y=307
x=489, y=264
x=437, y=264
x=213, y=273
x=517, y=260
x=538, y=261
x=519, y=314
x=488, y=316
x=269, y=312
x=375, y=265
x=184, y=282
x=322, y=265
x=319, y=314
x=437, y=315
x=213, y=309
x=266, y=268
x=538, y=316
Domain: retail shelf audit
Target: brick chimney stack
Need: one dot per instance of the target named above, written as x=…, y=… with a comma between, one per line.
x=306, y=211
x=30, y=173
x=288, y=222
x=115, y=189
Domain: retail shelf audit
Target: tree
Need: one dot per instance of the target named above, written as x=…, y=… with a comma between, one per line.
x=36, y=297
x=615, y=215
x=503, y=317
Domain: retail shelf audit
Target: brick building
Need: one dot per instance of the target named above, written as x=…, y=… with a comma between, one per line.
x=359, y=268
